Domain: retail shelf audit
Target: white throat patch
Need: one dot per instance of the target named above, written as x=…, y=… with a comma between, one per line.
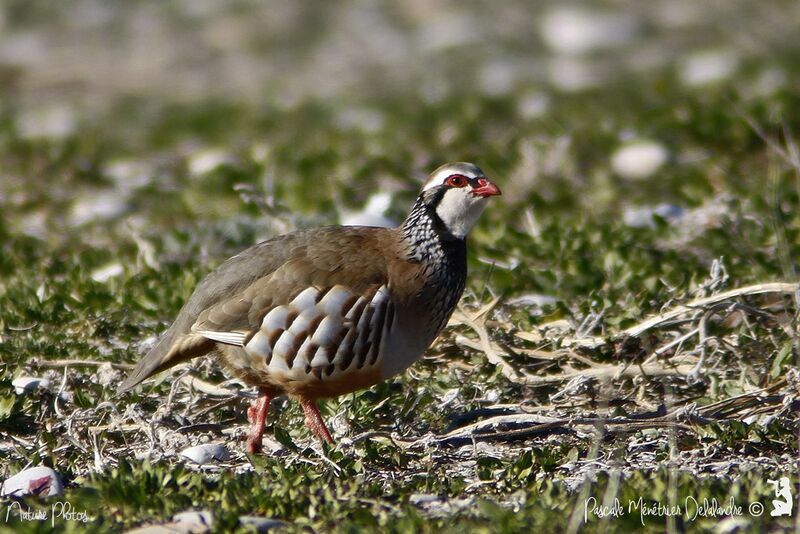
x=459, y=210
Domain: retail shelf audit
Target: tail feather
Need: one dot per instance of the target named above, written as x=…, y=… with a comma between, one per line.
x=167, y=353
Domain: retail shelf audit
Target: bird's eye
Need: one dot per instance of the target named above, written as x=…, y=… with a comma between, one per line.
x=456, y=180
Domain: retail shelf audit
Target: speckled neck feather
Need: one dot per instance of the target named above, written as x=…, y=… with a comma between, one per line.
x=444, y=256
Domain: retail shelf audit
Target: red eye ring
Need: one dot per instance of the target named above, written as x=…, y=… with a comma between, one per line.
x=456, y=180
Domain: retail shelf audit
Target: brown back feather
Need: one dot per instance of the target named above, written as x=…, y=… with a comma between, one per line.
x=237, y=295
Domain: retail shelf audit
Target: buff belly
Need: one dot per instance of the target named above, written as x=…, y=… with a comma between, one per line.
x=251, y=370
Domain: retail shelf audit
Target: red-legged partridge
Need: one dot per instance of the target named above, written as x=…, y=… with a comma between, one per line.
x=318, y=313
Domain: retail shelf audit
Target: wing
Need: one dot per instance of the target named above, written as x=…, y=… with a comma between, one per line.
x=322, y=307
x=321, y=332
x=230, y=304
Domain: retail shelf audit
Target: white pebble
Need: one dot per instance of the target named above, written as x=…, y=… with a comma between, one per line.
x=574, y=30
x=194, y=518
x=98, y=206
x=128, y=174
x=644, y=217
x=639, y=159
x=41, y=481
x=533, y=105
x=419, y=499
x=205, y=454
x=708, y=67
x=208, y=160
x=28, y=384
x=107, y=272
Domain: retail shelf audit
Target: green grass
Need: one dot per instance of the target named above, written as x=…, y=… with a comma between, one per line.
x=299, y=166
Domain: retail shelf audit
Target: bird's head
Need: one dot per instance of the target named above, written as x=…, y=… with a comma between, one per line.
x=458, y=193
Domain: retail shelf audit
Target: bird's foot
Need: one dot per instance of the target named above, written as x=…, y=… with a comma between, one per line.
x=257, y=415
x=314, y=420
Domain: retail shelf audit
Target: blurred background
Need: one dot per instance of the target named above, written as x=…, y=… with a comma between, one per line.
x=245, y=119
x=647, y=156
x=67, y=62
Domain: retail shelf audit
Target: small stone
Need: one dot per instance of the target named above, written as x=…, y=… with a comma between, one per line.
x=644, y=217
x=128, y=174
x=421, y=499
x=205, y=161
x=41, y=481
x=28, y=384
x=708, y=67
x=639, y=159
x=97, y=206
x=206, y=454
x=533, y=105
x=107, y=272
x=577, y=30
x=201, y=518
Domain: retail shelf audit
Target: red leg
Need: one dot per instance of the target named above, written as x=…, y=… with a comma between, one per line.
x=257, y=415
x=314, y=419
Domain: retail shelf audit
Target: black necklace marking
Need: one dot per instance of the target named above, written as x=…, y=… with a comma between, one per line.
x=443, y=254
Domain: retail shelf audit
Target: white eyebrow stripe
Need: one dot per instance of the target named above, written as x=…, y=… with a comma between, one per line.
x=439, y=176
